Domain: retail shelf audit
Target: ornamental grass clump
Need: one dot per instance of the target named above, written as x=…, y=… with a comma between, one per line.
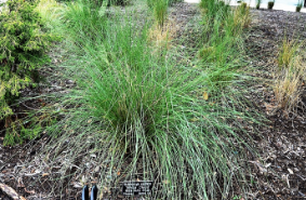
x=241, y=18
x=151, y=3
x=287, y=52
x=162, y=39
x=223, y=57
x=222, y=53
x=160, y=8
x=99, y=3
x=215, y=8
x=49, y=11
x=299, y=6
x=146, y=117
x=271, y=4
x=288, y=87
x=83, y=17
x=218, y=18
x=258, y=2
x=290, y=75
x=23, y=47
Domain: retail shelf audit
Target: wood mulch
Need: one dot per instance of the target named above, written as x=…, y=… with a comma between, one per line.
x=279, y=171
x=282, y=174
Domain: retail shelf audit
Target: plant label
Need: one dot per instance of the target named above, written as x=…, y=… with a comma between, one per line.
x=133, y=188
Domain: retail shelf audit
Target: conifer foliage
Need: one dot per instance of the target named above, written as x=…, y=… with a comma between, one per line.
x=23, y=47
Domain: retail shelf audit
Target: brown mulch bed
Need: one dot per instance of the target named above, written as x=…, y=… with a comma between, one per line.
x=279, y=171
x=282, y=148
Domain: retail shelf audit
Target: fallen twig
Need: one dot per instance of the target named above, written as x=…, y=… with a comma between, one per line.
x=11, y=192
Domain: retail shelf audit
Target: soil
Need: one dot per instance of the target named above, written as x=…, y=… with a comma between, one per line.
x=279, y=170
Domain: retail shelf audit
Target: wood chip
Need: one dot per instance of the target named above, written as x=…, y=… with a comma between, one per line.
x=45, y=174
x=11, y=192
x=29, y=191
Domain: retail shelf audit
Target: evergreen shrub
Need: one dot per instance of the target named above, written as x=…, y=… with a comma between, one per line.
x=23, y=47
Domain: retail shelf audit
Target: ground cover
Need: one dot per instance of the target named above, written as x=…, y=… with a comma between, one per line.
x=283, y=144
x=276, y=153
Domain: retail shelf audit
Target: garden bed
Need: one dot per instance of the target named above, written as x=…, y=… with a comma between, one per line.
x=278, y=171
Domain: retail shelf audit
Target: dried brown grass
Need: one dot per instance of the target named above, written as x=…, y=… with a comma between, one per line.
x=287, y=53
x=162, y=36
x=289, y=82
x=242, y=17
